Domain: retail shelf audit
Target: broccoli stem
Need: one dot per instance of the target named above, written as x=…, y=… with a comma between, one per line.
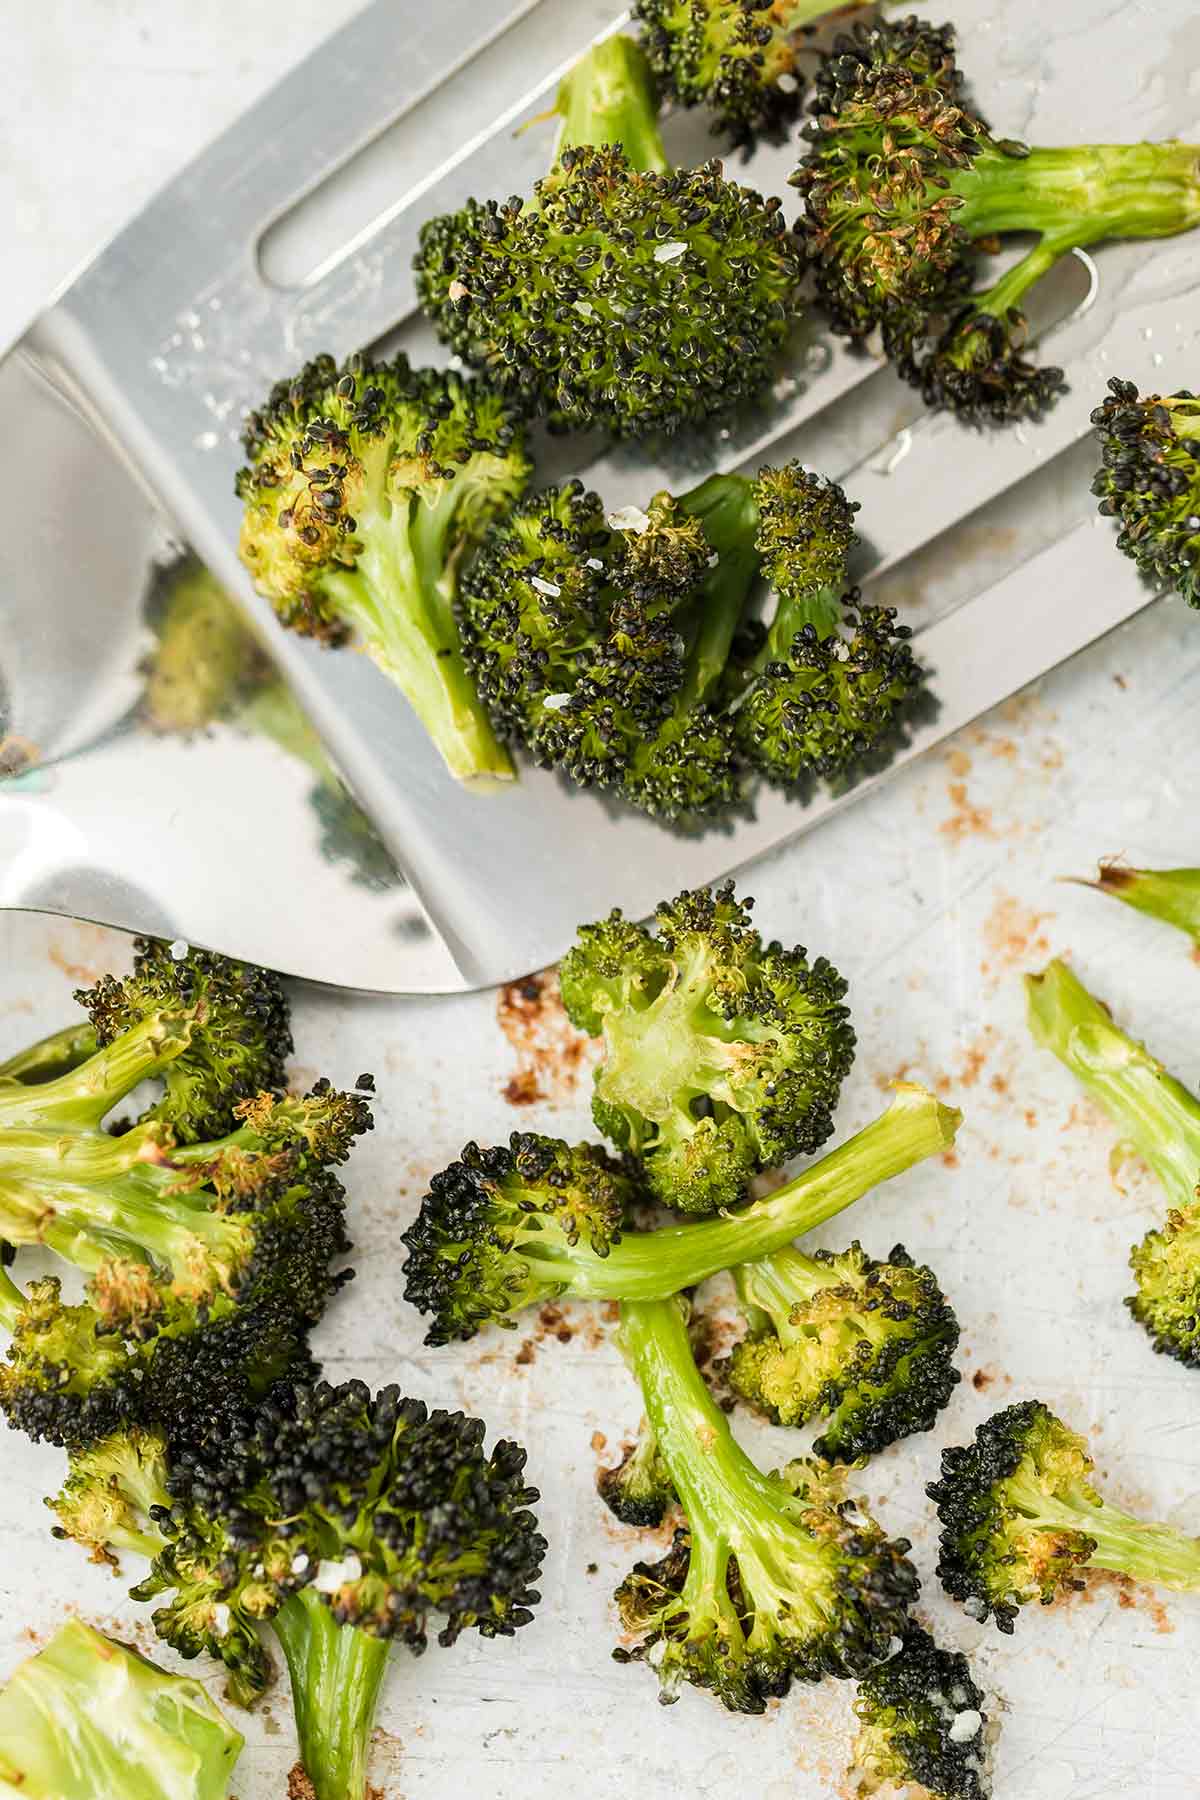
x=609, y=98
x=51, y=1056
x=12, y=1302
x=1124, y=1545
x=769, y=1288
x=336, y=1671
x=1172, y=895
x=726, y=507
x=654, y=1264
x=1156, y=1113
x=82, y=1096
x=1081, y=194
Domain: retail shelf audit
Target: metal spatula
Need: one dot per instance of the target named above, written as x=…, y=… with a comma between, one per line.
x=294, y=233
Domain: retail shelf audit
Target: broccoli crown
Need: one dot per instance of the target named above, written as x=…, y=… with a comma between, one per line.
x=1149, y=480
x=624, y=295
x=1166, y=1265
x=496, y=1229
x=723, y=1055
x=775, y=1578
x=866, y=1345
x=87, y=1715
x=638, y=1490
x=736, y=58
x=905, y=186
x=65, y=1379
x=922, y=1724
x=364, y=488
x=238, y=1028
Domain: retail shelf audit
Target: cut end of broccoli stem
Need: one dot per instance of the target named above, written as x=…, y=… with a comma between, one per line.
x=1172, y=895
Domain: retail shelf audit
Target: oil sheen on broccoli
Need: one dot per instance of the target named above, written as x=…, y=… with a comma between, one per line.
x=866, y=1346
x=722, y=1055
x=1159, y=1119
x=364, y=488
x=1021, y=1519
x=905, y=187
x=343, y=1521
x=87, y=1718
x=507, y=1228
x=775, y=1578
x=922, y=1726
x=622, y=294
x=1149, y=481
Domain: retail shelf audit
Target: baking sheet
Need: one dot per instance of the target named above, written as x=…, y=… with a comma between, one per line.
x=932, y=897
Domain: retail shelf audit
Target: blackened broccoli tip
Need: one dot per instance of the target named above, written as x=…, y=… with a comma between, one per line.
x=503, y=1229
x=365, y=487
x=638, y=1490
x=722, y=1055
x=1021, y=1519
x=738, y=59
x=866, y=1346
x=1149, y=481
x=775, y=1578
x=923, y=1729
x=1159, y=1119
x=86, y=1704
x=623, y=294
x=904, y=187
x=344, y=1522
x=232, y=1022
x=64, y=1379
x=1172, y=895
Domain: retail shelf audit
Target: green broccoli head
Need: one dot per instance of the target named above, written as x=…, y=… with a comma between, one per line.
x=1166, y=1265
x=237, y=1021
x=723, y=1056
x=638, y=1490
x=65, y=1379
x=922, y=1725
x=867, y=1346
x=365, y=487
x=622, y=295
x=1149, y=481
x=496, y=1230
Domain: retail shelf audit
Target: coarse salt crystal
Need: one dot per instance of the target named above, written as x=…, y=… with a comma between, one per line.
x=332, y=1574
x=178, y=950
x=545, y=587
x=593, y=562
x=786, y=83
x=555, y=702
x=629, y=518
x=669, y=252
x=966, y=1726
x=221, y=1617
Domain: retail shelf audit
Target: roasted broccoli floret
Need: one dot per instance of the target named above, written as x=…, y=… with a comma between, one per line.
x=505, y=1229
x=1021, y=1519
x=1172, y=895
x=1160, y=1120
x=775, y=1578
x=623, y=294
x=722, y=1055
x=638, y=1490
x=1150, y=481
x=340, y=1519
x=868, y=1346
x=736, y=58
x=904, y=186
x=922, y=1727
x=65, y=1378
x=87, y=1718
x=364, y=489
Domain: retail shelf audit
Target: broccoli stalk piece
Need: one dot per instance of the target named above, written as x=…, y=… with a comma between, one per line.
x=638, y=1490
x=922, y=1727
x=54, y=1055
x=736, y=58
x=503, y=1229
x=88, y=1716
x=722, y=1055
x=1021, y=1519
x=1172, y=895
x=339, y=1519
x=365, y=488
x=1149, y=480
x=868, y=1346
x=1160, y=1120
x=904, y=185
x=623, y=295
x=777, y=1577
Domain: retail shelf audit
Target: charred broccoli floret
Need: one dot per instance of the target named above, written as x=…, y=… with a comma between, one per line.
x=88, y=1717
x=1150, y=481
x=736, y=58
x=1172, y=895
x=1021, y=1519
x=623, y=294
x=342, y=1520
x=868, y=1346
x=1160, y=1120
x=922, y=1727
x=638, y=1490
x=904, y=186
x=776, y=1578
x=505, y=1229
x=65, y=1378
x=722, y=1055
x=364, y=489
